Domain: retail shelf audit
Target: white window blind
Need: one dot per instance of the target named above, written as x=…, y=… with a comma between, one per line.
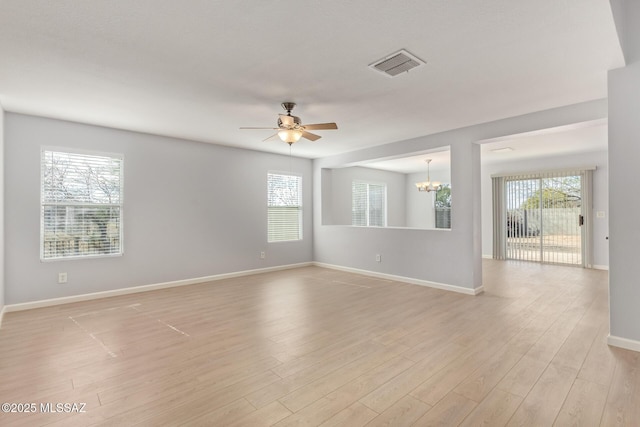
x=284, y=199
x=81, y=212
x=369, y=204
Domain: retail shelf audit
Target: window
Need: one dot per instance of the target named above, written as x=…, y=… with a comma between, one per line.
x=81, y=212
x=369, y=204
x=443, y=207
x=284, y=194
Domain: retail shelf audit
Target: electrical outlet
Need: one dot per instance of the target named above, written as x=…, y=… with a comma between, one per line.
x=263, y=255
x=62, y=277
x=378, y=258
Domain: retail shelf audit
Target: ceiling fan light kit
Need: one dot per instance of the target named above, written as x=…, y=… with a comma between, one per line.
x=290, y=128
x=290, y=135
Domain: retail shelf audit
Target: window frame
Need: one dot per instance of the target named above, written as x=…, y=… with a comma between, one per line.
x=120, y=205
x=300, y=206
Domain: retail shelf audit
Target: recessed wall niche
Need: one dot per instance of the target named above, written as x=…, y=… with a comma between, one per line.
x=383, y=192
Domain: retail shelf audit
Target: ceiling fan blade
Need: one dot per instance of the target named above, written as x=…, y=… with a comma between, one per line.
x=320, y=126
x=286, y=120
x=258, y=128
x=270, y=138
x=310, y=136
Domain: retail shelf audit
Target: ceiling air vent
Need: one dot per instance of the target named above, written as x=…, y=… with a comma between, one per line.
x=397, y=63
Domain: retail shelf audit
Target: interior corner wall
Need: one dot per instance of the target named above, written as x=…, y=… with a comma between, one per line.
x=2, y=245
x=624, y=201
x=598, y=159
x=626, y=14
x=624, y=174
x=190, y=210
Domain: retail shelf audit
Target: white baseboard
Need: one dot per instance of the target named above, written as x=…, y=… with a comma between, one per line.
x=443, y=286
x=487, y=256
x=600, y=267
x=2, y=315
x=143, y=288
x=152, y=287
x=625, y=343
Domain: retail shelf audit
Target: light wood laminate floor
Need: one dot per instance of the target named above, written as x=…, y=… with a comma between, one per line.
x=314, y=346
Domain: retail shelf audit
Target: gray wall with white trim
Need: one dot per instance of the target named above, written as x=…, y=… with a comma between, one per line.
x=2, y=244
x=191, y=210
x=624, y=175
x=449, y=257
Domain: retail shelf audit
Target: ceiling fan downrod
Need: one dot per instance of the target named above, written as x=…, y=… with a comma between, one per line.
x=288, y=106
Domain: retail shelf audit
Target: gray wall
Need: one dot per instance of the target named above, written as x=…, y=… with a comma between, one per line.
x=574, y=161
x=190, y=210
x=1, y=209
x=406, y=207
x=421, y=206
x=624, y=175
x=450, y=257
x=440, y=256
x=626, y=14
x=341, y=180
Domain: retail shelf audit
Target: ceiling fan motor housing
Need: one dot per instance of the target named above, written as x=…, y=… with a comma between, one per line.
x=296, y=122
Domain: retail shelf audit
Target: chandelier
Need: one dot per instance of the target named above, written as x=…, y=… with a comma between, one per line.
x=427, y=185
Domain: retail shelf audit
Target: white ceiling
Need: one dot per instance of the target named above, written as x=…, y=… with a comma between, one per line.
x=200, y=69
x=440, y=161
x=566, y=140
x=581, y=138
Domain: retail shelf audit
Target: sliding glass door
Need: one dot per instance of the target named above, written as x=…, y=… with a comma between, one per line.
x=544, y=218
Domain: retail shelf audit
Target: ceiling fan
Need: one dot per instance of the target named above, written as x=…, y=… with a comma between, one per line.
x=290, y=128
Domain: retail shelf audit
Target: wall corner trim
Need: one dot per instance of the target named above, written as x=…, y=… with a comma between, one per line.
x=625, y=343
x=436, y=285
x=2, y=314
x=144, y=288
